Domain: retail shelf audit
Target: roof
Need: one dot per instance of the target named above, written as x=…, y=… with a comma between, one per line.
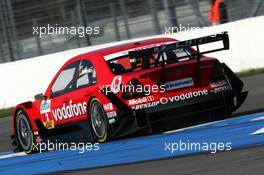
x=131, y=45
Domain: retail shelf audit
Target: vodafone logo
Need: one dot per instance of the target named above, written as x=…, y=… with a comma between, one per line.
x=69, y=111
x=116, y=84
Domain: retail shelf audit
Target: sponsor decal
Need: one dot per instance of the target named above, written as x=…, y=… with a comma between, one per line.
x=38, y=139
x=111, y=114
x=177, y=98
x=146, y=105
x=45, y=109
x=108, y=106
x=220, y=86
x=221, y=89
x=116, y=84
x=69, y=111
x=112, y=120
x=218, y=83
x=45, y=106
x=133, y=102
x=49, y=124
x=177, y=84
x=182, y=97
x=150, y=46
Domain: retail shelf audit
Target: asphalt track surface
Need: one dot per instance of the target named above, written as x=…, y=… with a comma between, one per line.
x=244, y=161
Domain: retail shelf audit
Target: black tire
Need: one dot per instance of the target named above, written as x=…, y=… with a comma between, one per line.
x=98, y=122
x=25, y=136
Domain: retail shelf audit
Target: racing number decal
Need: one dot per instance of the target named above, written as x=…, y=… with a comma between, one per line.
x=45, y=111
x=116, y=84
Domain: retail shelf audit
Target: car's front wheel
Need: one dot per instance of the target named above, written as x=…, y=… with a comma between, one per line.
x=98, y=121
x=24, y=132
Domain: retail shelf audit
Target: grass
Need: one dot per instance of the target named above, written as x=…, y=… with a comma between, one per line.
x=8, y=111
x=250, y=72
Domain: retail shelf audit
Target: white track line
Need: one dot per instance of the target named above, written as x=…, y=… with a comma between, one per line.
x=190, y=127
x=258, y=118
x=13, y=155
x=260, y=131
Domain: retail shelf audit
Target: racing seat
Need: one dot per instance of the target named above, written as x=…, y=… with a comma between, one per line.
x=118, y=68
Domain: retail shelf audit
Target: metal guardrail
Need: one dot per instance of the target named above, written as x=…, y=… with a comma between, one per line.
x=117, y=19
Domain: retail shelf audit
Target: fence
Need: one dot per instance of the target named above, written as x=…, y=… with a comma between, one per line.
x=115, y=19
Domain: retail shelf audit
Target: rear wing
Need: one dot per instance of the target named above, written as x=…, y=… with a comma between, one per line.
x=185, y=44
x=222, y=37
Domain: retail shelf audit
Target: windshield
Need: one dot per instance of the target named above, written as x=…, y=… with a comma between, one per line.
x=126, y=64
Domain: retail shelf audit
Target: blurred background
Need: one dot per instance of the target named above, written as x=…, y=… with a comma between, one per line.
x=117, y=19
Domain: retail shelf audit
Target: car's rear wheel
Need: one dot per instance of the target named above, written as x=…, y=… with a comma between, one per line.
x=24, y=132
x=98, y=121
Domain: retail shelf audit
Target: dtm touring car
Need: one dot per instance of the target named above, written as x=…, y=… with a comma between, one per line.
x=112, y=92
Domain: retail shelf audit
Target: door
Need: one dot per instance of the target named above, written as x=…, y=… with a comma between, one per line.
x=85, y=87
x=61, y=104
x=69, y=95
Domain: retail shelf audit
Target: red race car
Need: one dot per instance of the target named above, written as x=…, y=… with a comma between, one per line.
x=111, y=92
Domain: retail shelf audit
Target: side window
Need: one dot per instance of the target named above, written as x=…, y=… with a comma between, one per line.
x=65, y=81
x=86, y=74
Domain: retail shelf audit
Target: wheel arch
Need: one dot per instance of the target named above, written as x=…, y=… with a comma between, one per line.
x=30, y=112
x=102, y=101
x=88, y=106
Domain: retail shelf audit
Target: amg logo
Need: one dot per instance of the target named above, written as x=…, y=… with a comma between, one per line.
x=68, y=111
x=140, y=100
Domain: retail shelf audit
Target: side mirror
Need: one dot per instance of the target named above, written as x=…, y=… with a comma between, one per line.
x=40, y=97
